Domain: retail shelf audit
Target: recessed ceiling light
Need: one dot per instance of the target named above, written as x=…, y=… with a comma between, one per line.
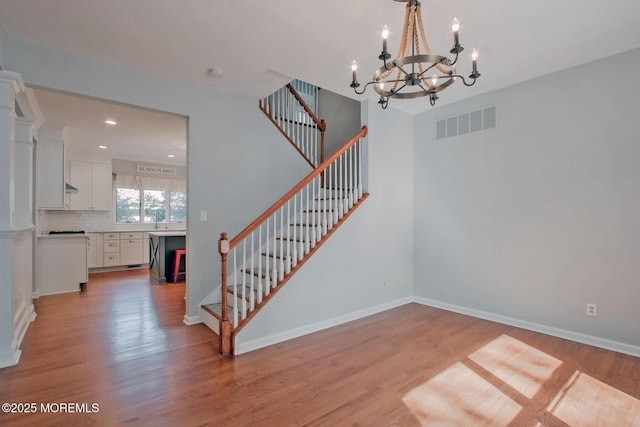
x=171, y=155
x=111, y=122
x=102, y=147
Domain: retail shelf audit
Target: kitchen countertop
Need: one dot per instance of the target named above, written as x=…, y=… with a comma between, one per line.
x=62, y=236
x=146, y=230
x=167, y=233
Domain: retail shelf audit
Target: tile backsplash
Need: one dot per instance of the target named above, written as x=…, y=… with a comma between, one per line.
x=91, y=221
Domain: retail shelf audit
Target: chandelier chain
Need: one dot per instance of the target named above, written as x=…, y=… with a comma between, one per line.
x=426, y=44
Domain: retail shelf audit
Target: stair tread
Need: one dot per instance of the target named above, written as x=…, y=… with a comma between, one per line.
x=262, y=274
x=215, y=309
x=239, y=287
x=290, y=239
x=272, y=255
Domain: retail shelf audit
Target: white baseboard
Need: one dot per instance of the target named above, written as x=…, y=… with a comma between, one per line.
x=535, y=327
x=191, y=320
x=24, y=317
x=245, y=347
x=9, y=358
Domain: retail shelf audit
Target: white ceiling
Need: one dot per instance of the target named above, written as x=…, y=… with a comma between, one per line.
x=140, y=134
x=262, y=44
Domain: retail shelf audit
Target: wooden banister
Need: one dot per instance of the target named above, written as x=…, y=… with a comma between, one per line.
x=320, y=123
x=277, y=205
x=293, y=127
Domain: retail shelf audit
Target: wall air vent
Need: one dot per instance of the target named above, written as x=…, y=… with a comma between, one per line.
x=465, y=123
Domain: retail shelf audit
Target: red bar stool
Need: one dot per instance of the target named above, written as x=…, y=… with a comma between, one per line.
x=177, y=256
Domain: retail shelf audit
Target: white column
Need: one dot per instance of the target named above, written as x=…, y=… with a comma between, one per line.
x=23, y=172
x=16, y=221
x=10, y=85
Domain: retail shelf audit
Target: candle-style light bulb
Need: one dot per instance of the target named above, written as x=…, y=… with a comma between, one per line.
x=434, y=80
x=474, y=60
x=385, y=32
x=385, y=36
x=455, y=27
x=354, y=68
x=384, y=55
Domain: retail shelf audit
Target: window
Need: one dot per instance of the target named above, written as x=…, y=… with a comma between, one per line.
x=127, y=205
x=150, y=200
x=154, y=206
x=178, y=206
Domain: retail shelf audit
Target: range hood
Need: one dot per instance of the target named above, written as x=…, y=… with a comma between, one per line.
x=68, y=188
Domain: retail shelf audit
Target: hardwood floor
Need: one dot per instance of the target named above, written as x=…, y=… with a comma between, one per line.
x=122, y=345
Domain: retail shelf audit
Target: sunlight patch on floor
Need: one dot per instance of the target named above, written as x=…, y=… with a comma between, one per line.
x=521, y=366
x=584, y=401
x=459, y=396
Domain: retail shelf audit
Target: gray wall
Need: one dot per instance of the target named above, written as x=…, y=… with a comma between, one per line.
x=3, y=42
x=342, y=116
x=538, y=217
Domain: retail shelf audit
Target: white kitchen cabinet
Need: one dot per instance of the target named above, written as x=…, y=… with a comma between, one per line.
x=95, y=254
x=111, y=260
x=111, y=249
x=61, y=263
x=145, y=248
x=94, y=184
x=118, y=249
x=50, y=174
x=131, y=248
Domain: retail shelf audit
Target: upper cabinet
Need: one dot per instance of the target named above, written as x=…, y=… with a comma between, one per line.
x=50, y=175
x=93, y=181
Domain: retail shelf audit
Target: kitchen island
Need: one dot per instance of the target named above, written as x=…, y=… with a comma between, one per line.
x=162, y=244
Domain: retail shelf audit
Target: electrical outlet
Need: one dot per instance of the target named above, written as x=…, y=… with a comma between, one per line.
x=592, y=309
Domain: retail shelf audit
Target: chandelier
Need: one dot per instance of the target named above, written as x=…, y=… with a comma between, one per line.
x=414, y=73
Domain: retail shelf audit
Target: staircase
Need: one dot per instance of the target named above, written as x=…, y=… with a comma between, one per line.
x=297, y=120
x=257, y=262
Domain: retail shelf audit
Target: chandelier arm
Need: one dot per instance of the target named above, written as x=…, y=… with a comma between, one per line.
x=430, y=67
x=364, y=88
x=452, y=63
x=424, y=89
x=464, y=81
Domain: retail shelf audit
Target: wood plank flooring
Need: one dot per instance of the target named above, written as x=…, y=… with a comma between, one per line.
x=122, y=345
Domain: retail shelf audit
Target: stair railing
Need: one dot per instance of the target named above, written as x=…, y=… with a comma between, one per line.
x=296, y=120
x=262, y=257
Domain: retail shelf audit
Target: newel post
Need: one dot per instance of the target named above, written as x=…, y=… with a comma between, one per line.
x=225, y=324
